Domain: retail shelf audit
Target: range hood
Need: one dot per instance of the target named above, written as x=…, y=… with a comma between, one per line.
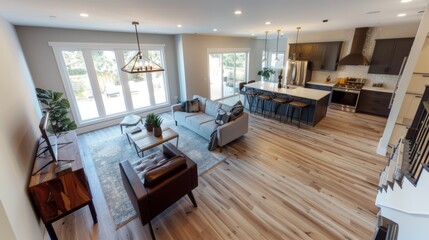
x=355, y=56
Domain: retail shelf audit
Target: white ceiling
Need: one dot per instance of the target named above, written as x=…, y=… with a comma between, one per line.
x=201, y=16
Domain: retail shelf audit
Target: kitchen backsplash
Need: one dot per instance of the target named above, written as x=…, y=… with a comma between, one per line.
x=389, y=81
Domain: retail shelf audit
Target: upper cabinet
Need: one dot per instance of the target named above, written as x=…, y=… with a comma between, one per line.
x=389, y=55
x=323, y=55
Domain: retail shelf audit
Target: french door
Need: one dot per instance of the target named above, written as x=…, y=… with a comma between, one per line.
x=226, y=70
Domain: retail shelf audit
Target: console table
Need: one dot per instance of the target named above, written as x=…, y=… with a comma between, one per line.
x=57, y=196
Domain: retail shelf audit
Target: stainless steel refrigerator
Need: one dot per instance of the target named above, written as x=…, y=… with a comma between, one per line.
x=297, y=73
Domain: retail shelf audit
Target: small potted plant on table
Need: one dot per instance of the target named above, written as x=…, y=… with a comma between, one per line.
x=157, y=131
x=149, y=122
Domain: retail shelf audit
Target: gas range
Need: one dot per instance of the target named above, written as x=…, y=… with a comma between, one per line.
x=351, y=84
x=345, y=93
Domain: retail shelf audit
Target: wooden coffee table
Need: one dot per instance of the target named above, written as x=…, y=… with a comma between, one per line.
x=144, y=140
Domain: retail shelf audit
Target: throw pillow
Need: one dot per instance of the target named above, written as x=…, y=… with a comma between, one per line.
x=183, y=109
x=222, y=117
x=192, y=105
x=236, y=111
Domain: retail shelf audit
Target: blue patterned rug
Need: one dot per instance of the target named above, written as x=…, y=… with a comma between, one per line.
x=107, y=154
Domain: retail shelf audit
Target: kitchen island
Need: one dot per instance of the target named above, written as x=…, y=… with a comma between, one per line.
x=317, y=99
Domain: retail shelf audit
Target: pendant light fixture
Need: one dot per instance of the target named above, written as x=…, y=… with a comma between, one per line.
x=265, y=59
x=141, y=63
x=277, y=47
x=296, y=42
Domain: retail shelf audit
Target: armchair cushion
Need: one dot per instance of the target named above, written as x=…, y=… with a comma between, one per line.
x=164, y=170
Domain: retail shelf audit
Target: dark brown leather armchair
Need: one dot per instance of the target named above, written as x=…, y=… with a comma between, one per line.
x=158, y=180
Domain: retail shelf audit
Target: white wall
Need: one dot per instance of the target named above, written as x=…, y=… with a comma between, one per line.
x=195, y=59
x=19, y=118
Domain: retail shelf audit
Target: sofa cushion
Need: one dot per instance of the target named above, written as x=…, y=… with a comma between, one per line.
x=212, y=107
x=202, y=102
x=236, y=111
x=198, y=119
x=207, y=128
x=181, y=116
x=192, y=105
x=226, y=108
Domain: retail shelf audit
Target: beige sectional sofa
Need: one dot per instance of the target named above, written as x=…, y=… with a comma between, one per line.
x=203, y=122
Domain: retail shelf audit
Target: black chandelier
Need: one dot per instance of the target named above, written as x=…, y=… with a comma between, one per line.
x=141, y=63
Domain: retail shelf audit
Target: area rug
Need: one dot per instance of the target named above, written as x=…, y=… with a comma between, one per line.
x=107, y=154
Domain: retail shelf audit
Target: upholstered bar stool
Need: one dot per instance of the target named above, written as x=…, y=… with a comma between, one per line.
x=300, y=105
x=276, y=103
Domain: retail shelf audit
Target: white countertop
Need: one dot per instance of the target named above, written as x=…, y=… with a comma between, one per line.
x=329, y=84
x=378, y=89
x=300, y=92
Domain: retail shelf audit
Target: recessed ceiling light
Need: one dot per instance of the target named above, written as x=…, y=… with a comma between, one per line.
x=402, y=15
x=373, y=12
x=267, y=23
x=253, y=34
x=405, y=1
x=238, y=12
x=84, y=15
x=214, y=29
x=179, y=25
x=281, y=34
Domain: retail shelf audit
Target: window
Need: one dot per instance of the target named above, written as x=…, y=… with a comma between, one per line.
x=227, y=68
x=97, y=87
x=275, y=61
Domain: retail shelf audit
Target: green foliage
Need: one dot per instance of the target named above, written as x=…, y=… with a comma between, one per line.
x=157, y=122
x=59, y=109
x=150, y=118
x=266, y=73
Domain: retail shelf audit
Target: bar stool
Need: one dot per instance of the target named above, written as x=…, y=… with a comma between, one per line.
x=299, y=105
x=264, y=98
x=250, y=94
x=277, y=102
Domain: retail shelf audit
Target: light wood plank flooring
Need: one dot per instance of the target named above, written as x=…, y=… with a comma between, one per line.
x=281, y=183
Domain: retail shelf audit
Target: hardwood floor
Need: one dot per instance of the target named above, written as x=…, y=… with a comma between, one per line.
x=280, y=183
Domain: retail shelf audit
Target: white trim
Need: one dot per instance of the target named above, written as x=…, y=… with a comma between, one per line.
x=94, y=46
x=227, y=50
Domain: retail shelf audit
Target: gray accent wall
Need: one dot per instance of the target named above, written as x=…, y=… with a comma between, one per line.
x=43, y=66
x=195, y=75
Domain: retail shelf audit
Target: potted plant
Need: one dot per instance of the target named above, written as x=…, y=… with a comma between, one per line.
x=58, y=107
x=266, y=73
x=157, y=131
x=149, y=121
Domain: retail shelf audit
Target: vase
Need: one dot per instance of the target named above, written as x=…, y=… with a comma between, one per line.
x=149, y=127
x=157, y=131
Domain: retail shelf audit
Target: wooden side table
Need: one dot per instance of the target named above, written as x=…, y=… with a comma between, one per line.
x=57, y=196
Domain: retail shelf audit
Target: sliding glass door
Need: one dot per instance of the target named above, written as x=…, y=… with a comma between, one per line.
x=226, y=71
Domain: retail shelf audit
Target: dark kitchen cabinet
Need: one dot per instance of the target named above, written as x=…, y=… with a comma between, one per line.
x=389, y=54
x=374, y=102
x=323, y=55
